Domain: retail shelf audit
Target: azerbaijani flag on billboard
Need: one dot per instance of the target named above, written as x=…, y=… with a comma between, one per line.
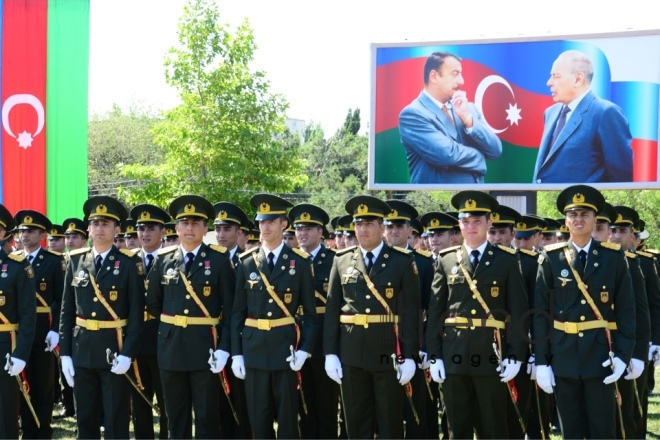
x=44, y=76
x=507, y=83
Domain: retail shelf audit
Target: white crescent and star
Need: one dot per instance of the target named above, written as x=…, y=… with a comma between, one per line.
x=513, y=112
x=24, y=138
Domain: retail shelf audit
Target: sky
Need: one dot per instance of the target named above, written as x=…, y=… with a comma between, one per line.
x=318, y=54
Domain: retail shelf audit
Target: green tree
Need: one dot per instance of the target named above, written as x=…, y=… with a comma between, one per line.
x=227, y=139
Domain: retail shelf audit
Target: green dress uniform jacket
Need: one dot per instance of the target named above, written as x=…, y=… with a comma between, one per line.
x=557, y=297
x=121, y=284
x=648, y=266
x=395, y=276
x=322, y=264
x=642, y=320
x=500, y=284
x=186, y=348
x=293, y=282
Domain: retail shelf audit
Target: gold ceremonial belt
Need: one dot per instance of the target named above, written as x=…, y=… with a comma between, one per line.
x=148, y=317
x=365, y=320
x=185, y=321
x=573, y=328
x=93, y=324
x=42, y=309
x=319, y=311
x=8, y=327
x=460, y=322
x=267, y=324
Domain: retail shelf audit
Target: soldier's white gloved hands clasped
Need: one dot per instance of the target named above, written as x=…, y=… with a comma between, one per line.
x=14, y=366
x=52, y=339
x=545, y=378
x=121, y=364
x=405, y=371
x=238, y=366
x=509, y=369
x=218, y=360
x=297, y=359
x=333, y=368
x=618, y=368
x=438, y=371
x=67, y=369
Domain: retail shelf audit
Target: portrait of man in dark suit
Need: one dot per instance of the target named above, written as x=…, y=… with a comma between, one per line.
x=445, y=136
x=585, y=138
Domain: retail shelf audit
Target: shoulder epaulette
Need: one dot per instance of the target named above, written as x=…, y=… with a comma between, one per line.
x=449, y=249
x=652, y=251
x=218, y=248
x=333, y=250
x=18, y=252
x=346, y=250
x=528, y=252
x=79, y=251
x=424, y=253
x=248, y=252
x=20, y=257
x=631, y=255
x=57, y=254
x=608, y=245
x=555, y=246
x=136, y=250
x=508, y=249
x=645, y=254
x=300, y=252
x=167, y=250
x=128, y=252
x=402, y=250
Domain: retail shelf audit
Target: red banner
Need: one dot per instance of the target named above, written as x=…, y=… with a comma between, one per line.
x=24, y=42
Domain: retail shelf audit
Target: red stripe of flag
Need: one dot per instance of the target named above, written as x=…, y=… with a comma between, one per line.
x=24, y=26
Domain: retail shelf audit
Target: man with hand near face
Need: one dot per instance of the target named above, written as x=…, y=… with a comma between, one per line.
x=445, y=137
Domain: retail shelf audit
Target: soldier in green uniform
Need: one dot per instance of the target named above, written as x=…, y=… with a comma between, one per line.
x=187, y=288
x=475, y=329
x=268, y=346
x=56, y=239
x=40, y=371
x=75, y=234
x=439, y=229
x=501, y=230
x=129, y=228
x=584, y=325
x=18, y=310
x=150, y=222
x=398, y=227
x=171, y=238
x=372, y=315
x=320, y=392
x=102, y=309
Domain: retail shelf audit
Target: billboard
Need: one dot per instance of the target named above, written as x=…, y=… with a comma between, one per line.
x=502, y=129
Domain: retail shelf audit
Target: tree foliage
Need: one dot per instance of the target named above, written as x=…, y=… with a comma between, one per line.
x=227, y=138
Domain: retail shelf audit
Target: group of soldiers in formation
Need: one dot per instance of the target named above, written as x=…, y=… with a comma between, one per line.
x=477, y=322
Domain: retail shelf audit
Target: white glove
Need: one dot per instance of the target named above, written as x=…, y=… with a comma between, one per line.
x=121, y=364
x=425, y=364
x=635, y=369
x=218, y=364
x=67, y=369
x=508, y=369
x=545, y=378
x=52, y=339
x=405, y=371
x=333, y=368
x=617, y=369
x=238, y=366
x=654, y=355
x=438, y=371
x=14, y=366
x=531, y=367
x=297, y=359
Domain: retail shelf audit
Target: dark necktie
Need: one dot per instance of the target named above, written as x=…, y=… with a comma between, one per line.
x=189, y=260
x=474, y=259
x=583, y=258
x=150, y=262
x=560, y=124
x=98, y=263
x=271, y=261
x=234, y=260
x=447, y=113
x=370, y=261
x=30, y=258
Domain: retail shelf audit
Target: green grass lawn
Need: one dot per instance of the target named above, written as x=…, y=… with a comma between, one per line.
x=66, y=429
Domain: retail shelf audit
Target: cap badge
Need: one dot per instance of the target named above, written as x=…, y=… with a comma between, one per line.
x=495, y=217
x=189, y=208
x=393, y=214
x=27, y=219
x=72, y=225
x=434, y=223
x=53, y=232
x=521, y=225
x=130, y=229
x=619, y=218
x=470, y=204
x=305, y=217
x=101, y=209
x=362, y=209
x=264, y=207
x=145, y=215
x=578, y=198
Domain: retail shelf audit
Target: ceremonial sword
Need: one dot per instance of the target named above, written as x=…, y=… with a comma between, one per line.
x=110, y=358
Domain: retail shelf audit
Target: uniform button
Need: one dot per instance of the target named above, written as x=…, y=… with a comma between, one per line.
x=474, y=312
x=270, y=300
x=474, y=297
x=185, y=311
x=580, y=334
x=581, y=318
x=269, y=313
x=187, y=296
x=368, y=310
x=96, y=299
x=612, y=306
x=93, y=313
x=538, y=180
x=584, y=301
x=368, y=297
